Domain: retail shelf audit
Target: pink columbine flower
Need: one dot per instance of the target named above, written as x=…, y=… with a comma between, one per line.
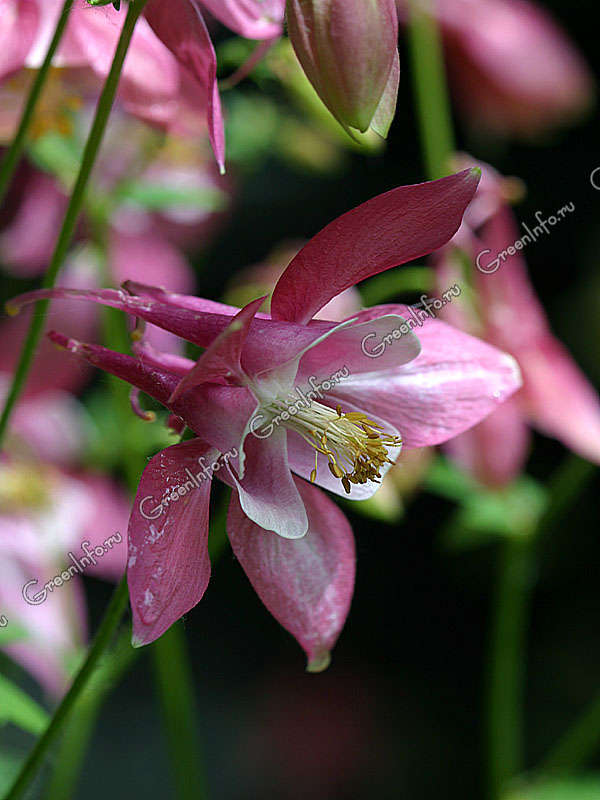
x=513, y=70
x=556, y=398
x=282, y=403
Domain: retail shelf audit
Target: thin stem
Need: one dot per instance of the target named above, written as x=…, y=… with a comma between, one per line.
x=507, y=663
x=515, y=583
x=431, y=88
x=80, y=725
x=14, y=152
x=90, y=154
x=174, y=680
x=108, y=626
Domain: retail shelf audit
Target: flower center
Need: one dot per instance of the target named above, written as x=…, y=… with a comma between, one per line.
x=355, y=446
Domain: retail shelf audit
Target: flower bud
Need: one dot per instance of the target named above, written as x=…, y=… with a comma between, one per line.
x=348, y=50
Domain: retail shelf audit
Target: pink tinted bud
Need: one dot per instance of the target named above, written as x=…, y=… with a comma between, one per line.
x=348, y=50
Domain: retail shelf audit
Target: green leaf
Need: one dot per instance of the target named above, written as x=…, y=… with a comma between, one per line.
x=394, y=282
x=582, y=788
x=18, y=708
x=57, y=154
x=9, y=766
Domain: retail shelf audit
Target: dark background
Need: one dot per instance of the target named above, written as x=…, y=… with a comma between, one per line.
x=399, y=712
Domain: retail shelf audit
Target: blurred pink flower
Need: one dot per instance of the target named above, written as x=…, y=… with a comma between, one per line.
x=49, y=509
x=293, y=542
x=511, y=67
x=556, y=398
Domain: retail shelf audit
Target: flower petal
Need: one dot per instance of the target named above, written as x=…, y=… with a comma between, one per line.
x=454, y=383
x=168, y=568
x=18, y=26
x=386, y=110
x=388, y=230
x=253, y=19
x=223, y=358
x=307, y=584
x=495, y=450
x=267, y=492
x=181, y=27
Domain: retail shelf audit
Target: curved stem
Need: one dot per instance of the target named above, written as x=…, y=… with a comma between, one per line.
x=107, y=628
x=431, y=88
x=90, y=154
x=14, y=152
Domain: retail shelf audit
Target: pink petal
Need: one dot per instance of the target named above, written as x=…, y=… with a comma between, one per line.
x=559, y=399
x=180, y=26
x=267, y=493
x=107, y=525
x=253, y=19
x=223, y=358
x=495, y=450
x=454, y=383
x=18, y=26
x=512, y=66
x=150, y=75
x=168, y=568
x=388, y=230
x=307, y=584
x=41, y=210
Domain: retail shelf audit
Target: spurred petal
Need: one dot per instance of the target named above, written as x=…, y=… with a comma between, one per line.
x=180, y=26
x=253, y=19
x=223, y=358
x=306, y=584
x=168, y=567
x=454, y=383
x=388, y=230
x=267, y=492
x=18, y=26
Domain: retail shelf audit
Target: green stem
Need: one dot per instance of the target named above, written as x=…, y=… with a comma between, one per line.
x=431, y=88
x=174, y=680
x=108, y=626
x=384, y=288
x=90, y=154
x=82, y=719
x=507, y=665
x=507, y=650
x=14, y=152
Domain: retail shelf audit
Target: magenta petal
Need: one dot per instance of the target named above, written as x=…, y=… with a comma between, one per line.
x=18, y=27
x=454, y=383
x=158, y=384
x=307, y=584
x=223, y=358
x=168, y=568
x=253, y=19
x=388, y=230
x=180, y=26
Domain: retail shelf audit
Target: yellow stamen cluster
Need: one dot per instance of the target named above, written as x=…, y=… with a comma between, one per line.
x=355, y=446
